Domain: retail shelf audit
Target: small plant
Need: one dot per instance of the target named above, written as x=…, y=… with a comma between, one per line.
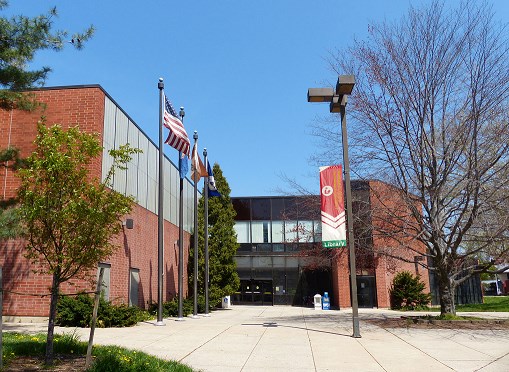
x=170, y=308
x=77, y=312
x=407, y=292
x=74, y=311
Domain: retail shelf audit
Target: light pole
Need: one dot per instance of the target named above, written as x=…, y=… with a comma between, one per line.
x=338, y=100
x=182, y=113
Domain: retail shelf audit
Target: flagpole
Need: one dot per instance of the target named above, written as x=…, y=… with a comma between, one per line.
x=206, y=233
x=160, y=212
x=195, y=276
x=181, y=231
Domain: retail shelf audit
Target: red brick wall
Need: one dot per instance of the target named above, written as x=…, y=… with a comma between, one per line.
x=385, y=203
x=137, y=248
x=67, y=107
x=341, y=279
x=392, y=216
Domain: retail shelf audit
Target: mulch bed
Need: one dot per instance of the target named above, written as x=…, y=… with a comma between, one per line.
x=63, y=363
x=426, y=323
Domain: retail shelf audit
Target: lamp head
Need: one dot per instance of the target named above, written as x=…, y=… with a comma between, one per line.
x=345, y=84
x=320, y=94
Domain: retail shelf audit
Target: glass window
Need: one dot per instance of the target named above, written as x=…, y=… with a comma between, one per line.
x=278, y=209
x=318, y=230
x=305, y=231
x=261, y=231
x=243, y=231
x=264, y=248
x=260, y=209
x=292, y=247
x=242, y=208
x=278, y=247
x=291, y=210
x=291, y=229
x=278, y=232
x=245, y=247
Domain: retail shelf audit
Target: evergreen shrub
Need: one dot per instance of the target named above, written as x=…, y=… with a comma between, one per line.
x=76, y=311
x=407, y=292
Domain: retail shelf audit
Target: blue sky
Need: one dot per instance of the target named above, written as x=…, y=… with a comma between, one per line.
x=240, y=68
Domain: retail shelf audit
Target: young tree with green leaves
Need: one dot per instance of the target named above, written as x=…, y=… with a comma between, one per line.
x=9, y=216
x=223, y=276
x=69, y=215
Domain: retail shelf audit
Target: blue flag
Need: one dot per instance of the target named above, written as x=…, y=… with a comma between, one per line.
x=183, y=165
x=212, y=183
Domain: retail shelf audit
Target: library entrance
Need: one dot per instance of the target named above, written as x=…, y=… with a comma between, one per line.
x=254, y=292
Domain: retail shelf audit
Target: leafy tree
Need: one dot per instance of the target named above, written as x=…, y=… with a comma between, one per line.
x=430, y=111
x=69, y=215
x=407, y=292
x=20, y=39
x=9, y=216
x=223, y=276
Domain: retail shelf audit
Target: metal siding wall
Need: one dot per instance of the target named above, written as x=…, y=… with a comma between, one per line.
x=143, y=171
x=141, y=177
x=122, y=126
x=174, y=187
x=152, y=178
x=190, y=205
x=133, y=168
x=167, y=187
x=108, y=135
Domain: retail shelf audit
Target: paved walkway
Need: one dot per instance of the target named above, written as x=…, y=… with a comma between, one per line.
x=282, y=338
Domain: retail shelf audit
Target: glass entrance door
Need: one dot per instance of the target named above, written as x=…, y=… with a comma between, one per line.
x=256, y=292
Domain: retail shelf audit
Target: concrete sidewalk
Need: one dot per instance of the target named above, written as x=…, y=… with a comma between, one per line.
x=283, y=338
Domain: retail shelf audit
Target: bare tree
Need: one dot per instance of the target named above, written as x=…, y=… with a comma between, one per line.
x=430, y=116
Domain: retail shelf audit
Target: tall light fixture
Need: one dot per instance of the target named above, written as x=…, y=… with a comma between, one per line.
x=338, y=101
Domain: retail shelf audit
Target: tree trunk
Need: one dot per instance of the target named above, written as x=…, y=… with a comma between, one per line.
x=51, y=322
x=446, y=293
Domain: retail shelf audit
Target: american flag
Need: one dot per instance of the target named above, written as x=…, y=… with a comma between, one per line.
x=177, y=138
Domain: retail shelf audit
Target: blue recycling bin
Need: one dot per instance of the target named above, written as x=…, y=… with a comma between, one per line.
x=325, y=301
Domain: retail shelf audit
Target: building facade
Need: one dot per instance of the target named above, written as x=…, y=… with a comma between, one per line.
x=131, y=274
x=280, y=259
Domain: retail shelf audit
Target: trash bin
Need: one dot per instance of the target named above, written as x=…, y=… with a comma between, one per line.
x=226, y=304
x=326, y=301
x=318, y=301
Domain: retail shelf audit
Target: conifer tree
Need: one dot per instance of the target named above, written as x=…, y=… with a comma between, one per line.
x=223, y=277
x=21, y=38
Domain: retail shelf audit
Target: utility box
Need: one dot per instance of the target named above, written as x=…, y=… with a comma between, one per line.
x=226, y=304
x=326, y=301
x=318, y=301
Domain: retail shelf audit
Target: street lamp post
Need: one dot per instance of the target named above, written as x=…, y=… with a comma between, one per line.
x=338, y=100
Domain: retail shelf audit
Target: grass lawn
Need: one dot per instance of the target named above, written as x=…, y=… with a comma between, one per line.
x=106, y=358
x=491, y=303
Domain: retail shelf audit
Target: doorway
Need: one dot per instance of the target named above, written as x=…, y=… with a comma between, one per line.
x=366, y=291
x=256, y=292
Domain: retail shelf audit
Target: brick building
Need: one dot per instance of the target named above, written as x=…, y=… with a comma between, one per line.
x=131, y=273
x=280, y=260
